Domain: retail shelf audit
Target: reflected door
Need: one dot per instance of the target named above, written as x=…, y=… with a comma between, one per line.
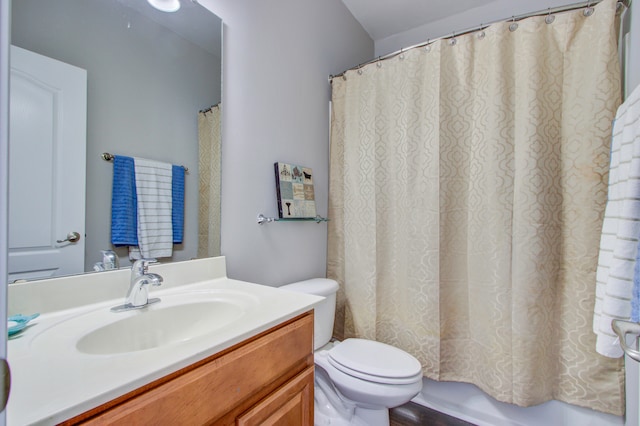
x=47, y=156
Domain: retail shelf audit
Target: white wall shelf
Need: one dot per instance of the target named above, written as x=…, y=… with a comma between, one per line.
x=264, y=219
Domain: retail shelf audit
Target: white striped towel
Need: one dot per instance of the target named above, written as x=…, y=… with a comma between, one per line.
x=153, y=189
x=620, y=230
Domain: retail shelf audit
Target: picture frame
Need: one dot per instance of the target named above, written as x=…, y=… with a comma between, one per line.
x=295, y=192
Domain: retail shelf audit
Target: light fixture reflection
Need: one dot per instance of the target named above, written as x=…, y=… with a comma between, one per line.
x=165, y=5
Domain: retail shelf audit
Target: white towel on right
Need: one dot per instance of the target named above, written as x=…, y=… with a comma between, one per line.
x=153, y=191
x=620, y=229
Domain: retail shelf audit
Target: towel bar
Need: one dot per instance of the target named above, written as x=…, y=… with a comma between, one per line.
x=109, y=157
x=622, y=328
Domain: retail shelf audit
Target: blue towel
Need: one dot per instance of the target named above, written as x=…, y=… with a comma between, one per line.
x=635, y=295
x=177, y=194
x=124, y=203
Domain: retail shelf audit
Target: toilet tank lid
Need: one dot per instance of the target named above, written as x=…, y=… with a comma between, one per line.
x=317, y=286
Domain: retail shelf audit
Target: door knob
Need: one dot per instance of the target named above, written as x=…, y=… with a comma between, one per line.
x=72, y=237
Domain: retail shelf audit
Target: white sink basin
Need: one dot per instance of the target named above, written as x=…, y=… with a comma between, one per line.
x=175, y=319
x=159, y=327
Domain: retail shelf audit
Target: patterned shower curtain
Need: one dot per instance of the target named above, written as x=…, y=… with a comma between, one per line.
x=209, y=175
x=468, y=181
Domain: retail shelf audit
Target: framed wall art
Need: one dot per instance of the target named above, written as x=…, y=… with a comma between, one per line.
x=294, y=189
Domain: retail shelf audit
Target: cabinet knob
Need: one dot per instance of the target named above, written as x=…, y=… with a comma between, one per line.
x=5, y=377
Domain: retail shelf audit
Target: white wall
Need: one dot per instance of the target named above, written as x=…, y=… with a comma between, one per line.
x=633, y=58
x=277, y=56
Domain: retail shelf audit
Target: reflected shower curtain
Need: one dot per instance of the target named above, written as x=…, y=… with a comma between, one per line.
x=209, y=175
x=467, y=191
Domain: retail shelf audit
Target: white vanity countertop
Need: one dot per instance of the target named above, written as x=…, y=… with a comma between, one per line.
x=53, y=381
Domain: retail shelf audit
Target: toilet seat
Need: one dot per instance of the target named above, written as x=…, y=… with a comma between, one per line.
x=375, y=362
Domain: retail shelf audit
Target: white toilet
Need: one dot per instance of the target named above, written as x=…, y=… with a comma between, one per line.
x=357, y=380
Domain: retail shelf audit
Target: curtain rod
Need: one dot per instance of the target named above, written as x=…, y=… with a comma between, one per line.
x=204, y=111
x=549, y=11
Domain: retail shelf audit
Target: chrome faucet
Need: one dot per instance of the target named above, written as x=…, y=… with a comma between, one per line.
x=138, y=294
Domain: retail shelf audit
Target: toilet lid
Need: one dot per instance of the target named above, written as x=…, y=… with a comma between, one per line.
x=375, y=362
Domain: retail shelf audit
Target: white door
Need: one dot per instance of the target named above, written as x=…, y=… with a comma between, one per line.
x=47, y=156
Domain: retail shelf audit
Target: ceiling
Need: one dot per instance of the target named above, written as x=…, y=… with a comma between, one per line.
x=383, y=18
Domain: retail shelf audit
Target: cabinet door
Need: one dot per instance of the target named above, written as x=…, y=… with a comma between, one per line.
x=292, y=404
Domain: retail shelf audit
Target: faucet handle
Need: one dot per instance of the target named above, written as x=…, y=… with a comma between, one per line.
x=140, y=266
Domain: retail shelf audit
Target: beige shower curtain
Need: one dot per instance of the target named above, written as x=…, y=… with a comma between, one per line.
x=209, y=150
x=467, y=190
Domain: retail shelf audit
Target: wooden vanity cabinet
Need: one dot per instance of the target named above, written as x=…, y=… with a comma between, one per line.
x=267, y=379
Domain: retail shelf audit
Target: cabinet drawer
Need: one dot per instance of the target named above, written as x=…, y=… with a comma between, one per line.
x=292, y=404
x=222, y=383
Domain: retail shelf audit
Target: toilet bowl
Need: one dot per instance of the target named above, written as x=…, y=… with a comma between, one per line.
x=357, y=380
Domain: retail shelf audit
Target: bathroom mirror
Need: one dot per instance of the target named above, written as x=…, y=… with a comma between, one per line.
x=148, y=74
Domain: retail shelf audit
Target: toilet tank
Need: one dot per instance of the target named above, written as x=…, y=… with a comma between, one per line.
x=324, y=313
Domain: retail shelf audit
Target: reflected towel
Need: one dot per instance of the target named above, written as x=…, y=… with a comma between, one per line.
x=153, y=189
x=124, y=231
x=177, y=195
x=620, y=230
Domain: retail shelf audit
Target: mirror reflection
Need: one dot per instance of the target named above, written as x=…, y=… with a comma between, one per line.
x=151, y=79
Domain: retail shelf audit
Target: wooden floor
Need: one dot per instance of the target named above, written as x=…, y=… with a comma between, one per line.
x=412, y=414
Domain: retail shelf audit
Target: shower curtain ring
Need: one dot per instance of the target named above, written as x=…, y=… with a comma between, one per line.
x=589, y=10
x=514, y=24
x=550, y=18
x=481, y=33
